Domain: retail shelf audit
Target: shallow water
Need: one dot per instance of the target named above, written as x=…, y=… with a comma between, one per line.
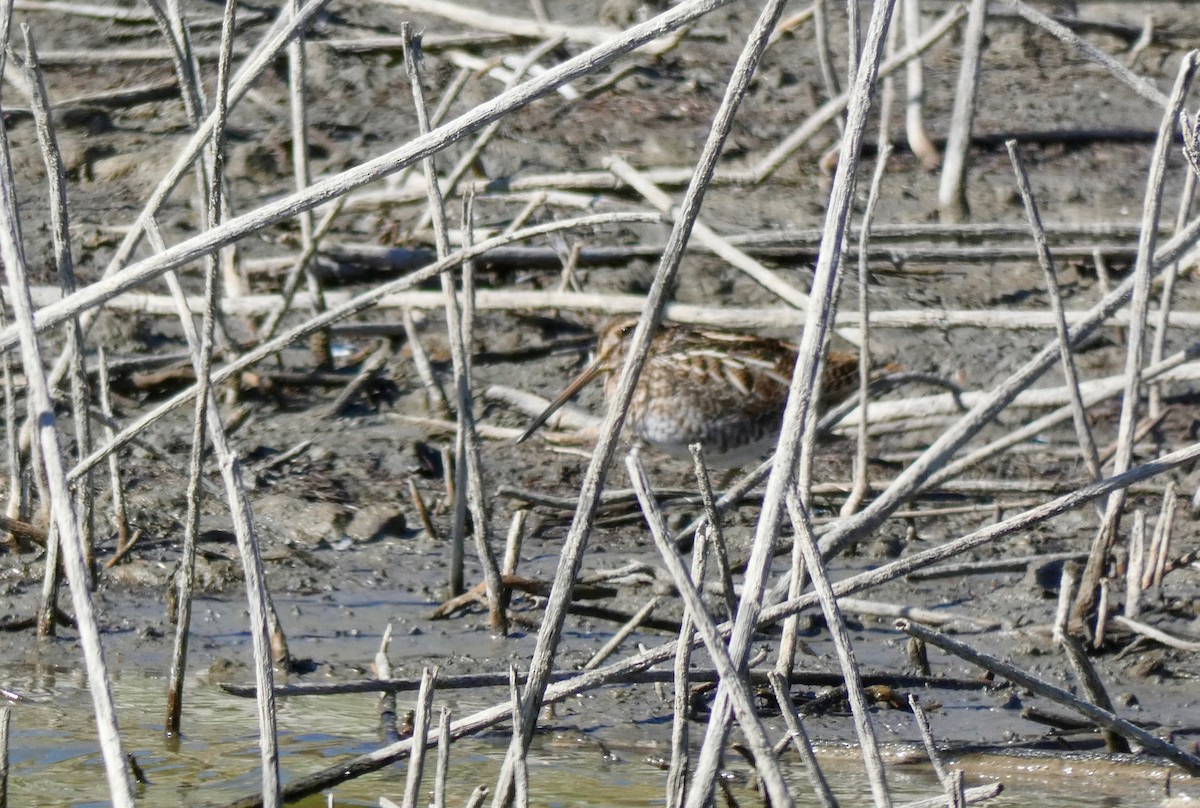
x=55, y=761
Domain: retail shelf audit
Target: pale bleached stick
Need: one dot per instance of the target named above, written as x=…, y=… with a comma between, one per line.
x=302, y=173
x=348, y=769
x=983, y=412
x=713, y=532
x=862, y=444
x=174, y=31
x=339, y=184
x=12, y=445
x=433, y=389
x=65, y=264
x=46, y=435
x=469, y=469
x=1135, y=565
x=120, y=515
x=387, y=698
x=420, y=734
x=490, y=21
x=931, y=750
x=1143, y=273
x=1093, y=392
x=1142, y=86
x=1104, y=718
x=1083, y=431
x=300, y=267
x=1085, y=672
x=733, y=317
x=520, y=763
x=677, y=770
x=1160, y=545
x=914, y=81
x=359, y=303
x=594, y=478
x=471, y=155
x=1157, y=635
x=5, y=719
x=833, y=87
x=442, y=768
x=733, y=680
x=622, y=633
x=800, y=393
x=272, y=41
x=952, y=189
x=264, y=625
x=831, y=109
x=843, y=648
x=705, y=235
x=1165, y=299
x=799, y=737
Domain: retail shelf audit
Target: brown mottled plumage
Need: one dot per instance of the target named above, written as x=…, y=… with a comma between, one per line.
x=726, y=391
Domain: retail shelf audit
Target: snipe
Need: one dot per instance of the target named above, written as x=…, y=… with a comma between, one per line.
x=724, y=390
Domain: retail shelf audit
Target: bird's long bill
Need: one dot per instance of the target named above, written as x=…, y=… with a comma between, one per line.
x=575, y=385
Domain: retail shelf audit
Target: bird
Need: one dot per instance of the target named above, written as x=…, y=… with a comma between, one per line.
x=722, y=389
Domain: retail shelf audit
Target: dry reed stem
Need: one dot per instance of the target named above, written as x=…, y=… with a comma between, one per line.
x=302, y=172
x=433, y=389
x=420, y=736
x=1093, y=392
x=931, y=750
x=301, y=267
x=12, y=447
x=1160, y=544
x=189, y=80
x=618, y=671
x=1142, y=86
x=914, y=85
x=862, y=443
x=356, y=304
x=73, y=554
x=733, y=681
x=1162, y=318
x=799, y=738
x=987, y=408
x=594, y=478
x=387, y=698
x=471, y=155
x=274, y=39
x=1103, y=718
x=469, y=465
x=120, y=516
x=705, y=235
x=843, y=649
x=770, y=162
x=714, y=535
x=733, y=317
x=1085, y=672
x=373, y=364
x=1136, y=565
x=799, y=401
x=621, y=634
x=520, y=763
x=1143, y=273
x=1158, y=635
x=442, y=768
x=65, y=264
x=677, y=770
x=952, y=189
x=1083, y=431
